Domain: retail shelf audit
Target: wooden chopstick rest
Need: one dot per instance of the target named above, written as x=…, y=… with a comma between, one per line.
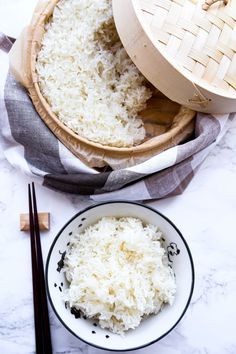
x=44, y=222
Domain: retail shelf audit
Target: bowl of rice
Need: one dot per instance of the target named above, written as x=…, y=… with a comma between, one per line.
x=119, y=275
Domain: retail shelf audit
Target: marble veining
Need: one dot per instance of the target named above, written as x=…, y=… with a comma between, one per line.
x=205, y=214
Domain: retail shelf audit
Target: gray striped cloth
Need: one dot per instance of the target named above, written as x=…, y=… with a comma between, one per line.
x=31, y=147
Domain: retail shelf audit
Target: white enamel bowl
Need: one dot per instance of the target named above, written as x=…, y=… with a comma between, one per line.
x=151, y=329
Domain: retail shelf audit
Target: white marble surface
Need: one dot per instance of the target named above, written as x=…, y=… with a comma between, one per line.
x=205, y=213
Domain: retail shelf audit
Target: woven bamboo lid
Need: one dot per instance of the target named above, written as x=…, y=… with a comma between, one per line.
x=187, y=52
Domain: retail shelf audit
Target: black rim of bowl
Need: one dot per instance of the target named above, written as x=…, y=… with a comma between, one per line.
x=188, y=251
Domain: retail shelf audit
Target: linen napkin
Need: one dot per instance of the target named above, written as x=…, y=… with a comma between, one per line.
x=30, y=146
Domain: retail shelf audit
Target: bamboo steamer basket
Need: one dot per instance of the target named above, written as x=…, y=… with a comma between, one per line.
x=187, y=49
x=166, y=122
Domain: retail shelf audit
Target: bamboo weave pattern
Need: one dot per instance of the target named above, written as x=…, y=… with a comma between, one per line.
x=202, y=42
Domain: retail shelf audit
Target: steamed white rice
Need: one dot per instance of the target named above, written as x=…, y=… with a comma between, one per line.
x=118, y=272
x=87, y=77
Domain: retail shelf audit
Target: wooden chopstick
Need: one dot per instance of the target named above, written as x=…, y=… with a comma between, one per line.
x=42, y=325
x=37, y=315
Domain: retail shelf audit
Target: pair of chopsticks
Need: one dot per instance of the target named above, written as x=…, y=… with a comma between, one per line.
x=41, y=319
